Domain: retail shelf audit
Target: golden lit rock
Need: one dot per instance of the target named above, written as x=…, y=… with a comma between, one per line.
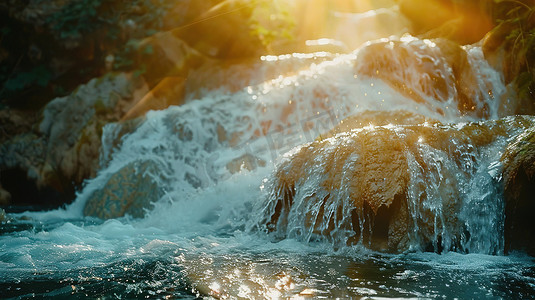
x=430, y=72
x=385, y=186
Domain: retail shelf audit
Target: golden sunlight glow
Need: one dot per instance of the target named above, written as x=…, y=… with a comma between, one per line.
x=465, y=23
x=351, y=22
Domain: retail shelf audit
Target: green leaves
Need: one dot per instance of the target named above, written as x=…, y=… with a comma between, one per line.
x=271, y=20
x=519, y=43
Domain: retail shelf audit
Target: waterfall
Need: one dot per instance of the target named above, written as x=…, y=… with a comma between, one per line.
x=218, y=133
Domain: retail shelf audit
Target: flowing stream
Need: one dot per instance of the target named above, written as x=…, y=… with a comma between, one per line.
x=211, y=164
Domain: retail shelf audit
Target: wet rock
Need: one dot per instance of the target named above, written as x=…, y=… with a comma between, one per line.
x=378, y=118
x=128, y=191
x=64, y=149
x=72, y=125
x=389, y=187
x=427, y=71
x=519, y=188
x=26, y=152
x=3, y=216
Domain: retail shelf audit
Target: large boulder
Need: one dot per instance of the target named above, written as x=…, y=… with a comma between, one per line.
x=436, y=73
x=519, y=180
x=394, y=187
x=72, y=125
x=63, y=150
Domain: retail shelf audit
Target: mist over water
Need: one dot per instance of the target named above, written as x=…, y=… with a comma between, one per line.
x=212, y=161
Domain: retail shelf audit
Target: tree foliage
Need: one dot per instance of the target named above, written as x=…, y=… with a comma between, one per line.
x=271, y=21
x=517, y=19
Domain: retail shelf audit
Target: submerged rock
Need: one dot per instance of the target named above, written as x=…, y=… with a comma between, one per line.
x=396, y=187
x=519, y=180
x=128, y=191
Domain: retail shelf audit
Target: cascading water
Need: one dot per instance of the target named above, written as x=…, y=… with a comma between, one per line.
x=211, y=167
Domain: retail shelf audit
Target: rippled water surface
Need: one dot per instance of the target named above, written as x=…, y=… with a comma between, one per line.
x=127, y=259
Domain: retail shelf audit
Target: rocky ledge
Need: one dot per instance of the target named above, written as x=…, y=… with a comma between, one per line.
x=394, y=186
